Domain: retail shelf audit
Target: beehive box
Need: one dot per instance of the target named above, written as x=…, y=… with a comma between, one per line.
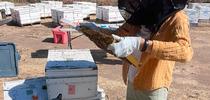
x=204, y=13
x=46, y=6
x=203, y=10
x=26, y=15
x=71, y=73
x=7, y=6
x=109, y=13
x=25, y=89
x=54, y=4
x=0, y=16
x=193, y=15
x=112, y=14
x=87, y=7
x=99, y=13
x=68, y=13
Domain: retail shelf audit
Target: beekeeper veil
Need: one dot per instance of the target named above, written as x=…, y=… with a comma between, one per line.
x=150, y=13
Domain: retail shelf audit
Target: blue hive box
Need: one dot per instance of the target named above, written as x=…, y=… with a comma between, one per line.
x=8, y=60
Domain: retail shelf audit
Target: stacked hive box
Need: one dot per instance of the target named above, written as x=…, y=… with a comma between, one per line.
x=198, y=11
x=53, y=3
x=87, y=8
x=109, y=14
x=71, y=73
x=0, y=16
x=193, y=15
x=25, y=15
x=6, y=6
x=46, y=6
x=72, y=12
x=112, y=14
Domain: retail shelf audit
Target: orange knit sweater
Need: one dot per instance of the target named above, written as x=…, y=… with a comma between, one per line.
x=171, y=43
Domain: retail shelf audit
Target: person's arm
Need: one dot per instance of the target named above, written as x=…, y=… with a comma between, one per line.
x=179, y=50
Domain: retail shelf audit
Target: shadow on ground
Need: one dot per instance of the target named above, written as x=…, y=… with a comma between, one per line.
x=48, y=40
x=43, y=53
x=100, y=57
x=49, y=24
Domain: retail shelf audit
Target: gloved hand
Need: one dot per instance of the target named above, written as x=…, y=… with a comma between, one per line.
x=125, y=45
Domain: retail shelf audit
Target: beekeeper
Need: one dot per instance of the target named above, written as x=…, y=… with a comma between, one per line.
x=156, y=32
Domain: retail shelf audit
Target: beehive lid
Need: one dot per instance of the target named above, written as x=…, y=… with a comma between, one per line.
x=70, y=59
x=8, y=60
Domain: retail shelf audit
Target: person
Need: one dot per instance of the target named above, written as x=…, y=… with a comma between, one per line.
x=156, y=32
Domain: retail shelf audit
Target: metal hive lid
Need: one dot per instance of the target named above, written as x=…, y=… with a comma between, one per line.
x=70, y=59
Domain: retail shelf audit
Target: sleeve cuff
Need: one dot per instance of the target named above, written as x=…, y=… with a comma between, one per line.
x=155, y=48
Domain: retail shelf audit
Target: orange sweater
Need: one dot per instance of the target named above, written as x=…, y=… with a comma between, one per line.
x=171, y=43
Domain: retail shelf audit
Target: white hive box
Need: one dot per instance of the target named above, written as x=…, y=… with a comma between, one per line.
x=204, y=12
x=7, y=6
x=112, y=14
x=0, y=16
x=99, y=12
x=87, y=7
x=54, y=16
x=193, y=15
x=54, y=4
x=25, y=89
x=68, y=13
x=45, y=9
x=71, y=73
x=25, y=15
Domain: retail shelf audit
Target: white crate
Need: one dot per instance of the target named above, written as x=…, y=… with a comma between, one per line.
x=56, y=4
x=45, y=8
x=204, y=12
x=6, y=6
x=25, y=89
x=25, y=15
x=87, y=7
x=112, y=14
x=202, y=8
x=99, y=12
x=68, y=13
x=193, y=15
x=71, y=73
x=0, y=16
x=72, y=88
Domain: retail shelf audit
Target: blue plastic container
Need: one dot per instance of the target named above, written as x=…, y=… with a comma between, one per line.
x=8, y=60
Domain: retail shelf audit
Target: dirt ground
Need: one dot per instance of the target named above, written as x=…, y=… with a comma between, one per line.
x=191, y=80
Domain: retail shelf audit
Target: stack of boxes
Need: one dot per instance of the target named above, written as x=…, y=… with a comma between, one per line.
x=72, y=74
x=109, y=14
x=46, y=6
x=6, y=6
x=197, y=12
x=25, y=15
x=74, y=12
x=86, y=8
x=70, y=14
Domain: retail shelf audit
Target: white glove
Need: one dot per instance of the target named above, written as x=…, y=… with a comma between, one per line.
x=125, y=46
